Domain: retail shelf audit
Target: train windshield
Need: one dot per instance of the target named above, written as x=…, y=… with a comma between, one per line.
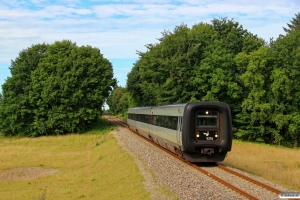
x=207, y=125
x=206, y=118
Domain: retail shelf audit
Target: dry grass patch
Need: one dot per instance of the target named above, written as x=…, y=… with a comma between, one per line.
x=277, y=164
x=90, y=166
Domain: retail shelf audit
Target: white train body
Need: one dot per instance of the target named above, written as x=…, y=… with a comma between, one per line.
x=199, y=131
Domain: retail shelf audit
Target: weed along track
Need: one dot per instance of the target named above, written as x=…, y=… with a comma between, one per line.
x=182, y=177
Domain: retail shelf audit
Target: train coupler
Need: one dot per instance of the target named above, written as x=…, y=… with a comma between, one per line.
x=208, y=151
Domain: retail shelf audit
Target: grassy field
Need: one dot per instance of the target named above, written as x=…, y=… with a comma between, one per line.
x=276, y=164
x=94, y=166
x=89, y=166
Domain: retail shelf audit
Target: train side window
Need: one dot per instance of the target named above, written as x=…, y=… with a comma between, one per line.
x=142, y=118
x=161, y=121
x=174, y=122
x=180, y=123
x=167, y=122
x=164, y=122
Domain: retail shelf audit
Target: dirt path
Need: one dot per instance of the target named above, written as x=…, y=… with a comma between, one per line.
x=25, y=173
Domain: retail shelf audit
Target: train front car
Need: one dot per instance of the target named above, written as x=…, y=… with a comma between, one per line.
x=206, y=131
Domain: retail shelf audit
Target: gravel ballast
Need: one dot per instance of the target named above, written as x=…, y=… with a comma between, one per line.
x=161, y=170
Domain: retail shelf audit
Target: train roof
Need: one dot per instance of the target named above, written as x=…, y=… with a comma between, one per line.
x=174, y=109
x=161, y=106
x=171, y=109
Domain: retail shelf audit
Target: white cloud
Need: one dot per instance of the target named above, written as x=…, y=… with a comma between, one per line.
x=57, y=10
x=119, y=28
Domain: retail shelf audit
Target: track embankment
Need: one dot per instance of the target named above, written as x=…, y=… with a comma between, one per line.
x=215, y=181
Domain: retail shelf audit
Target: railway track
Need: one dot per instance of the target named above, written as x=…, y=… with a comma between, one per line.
x=206, y=172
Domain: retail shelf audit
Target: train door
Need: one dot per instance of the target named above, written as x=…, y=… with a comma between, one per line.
x=178, y=132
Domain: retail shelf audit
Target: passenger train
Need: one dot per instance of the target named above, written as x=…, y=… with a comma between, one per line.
x=197, y=131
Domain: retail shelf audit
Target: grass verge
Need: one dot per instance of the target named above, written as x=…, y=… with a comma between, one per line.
x=90, y=166
x=276, y=164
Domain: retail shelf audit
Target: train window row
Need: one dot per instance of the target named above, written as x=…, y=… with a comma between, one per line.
x=139, y=117
x=143, y=118
x=169, y=122
x=130, y=116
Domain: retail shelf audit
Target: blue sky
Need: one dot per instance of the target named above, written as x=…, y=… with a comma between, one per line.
x=119, y=28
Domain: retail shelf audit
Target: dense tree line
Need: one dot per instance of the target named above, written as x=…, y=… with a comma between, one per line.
x=119, y=101
x=61, y=88
x=55, y=89
x=222, y=61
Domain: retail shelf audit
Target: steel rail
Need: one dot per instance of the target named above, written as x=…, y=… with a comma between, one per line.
x=274, y=190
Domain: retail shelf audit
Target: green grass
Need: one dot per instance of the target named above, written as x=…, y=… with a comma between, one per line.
x=277, y=164
x=94, y=166
x=90, y=166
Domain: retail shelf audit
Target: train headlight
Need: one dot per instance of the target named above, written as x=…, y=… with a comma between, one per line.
x=197, y=135
x=206, y=112
x=216, y=135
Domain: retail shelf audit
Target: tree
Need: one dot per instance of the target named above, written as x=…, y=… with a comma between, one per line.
x=64, y=90
x=133, y=84
x=16, y=111
x=257, y=106
x=193, y=64
x=294, y=25
x=117, y=102
x=285, y=54
x=217, y=77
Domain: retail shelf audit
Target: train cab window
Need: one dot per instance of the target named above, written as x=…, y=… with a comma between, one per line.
x=207, y=118
x=207, y=125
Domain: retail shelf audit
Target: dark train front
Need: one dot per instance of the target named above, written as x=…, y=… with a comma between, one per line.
x=206, y=131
